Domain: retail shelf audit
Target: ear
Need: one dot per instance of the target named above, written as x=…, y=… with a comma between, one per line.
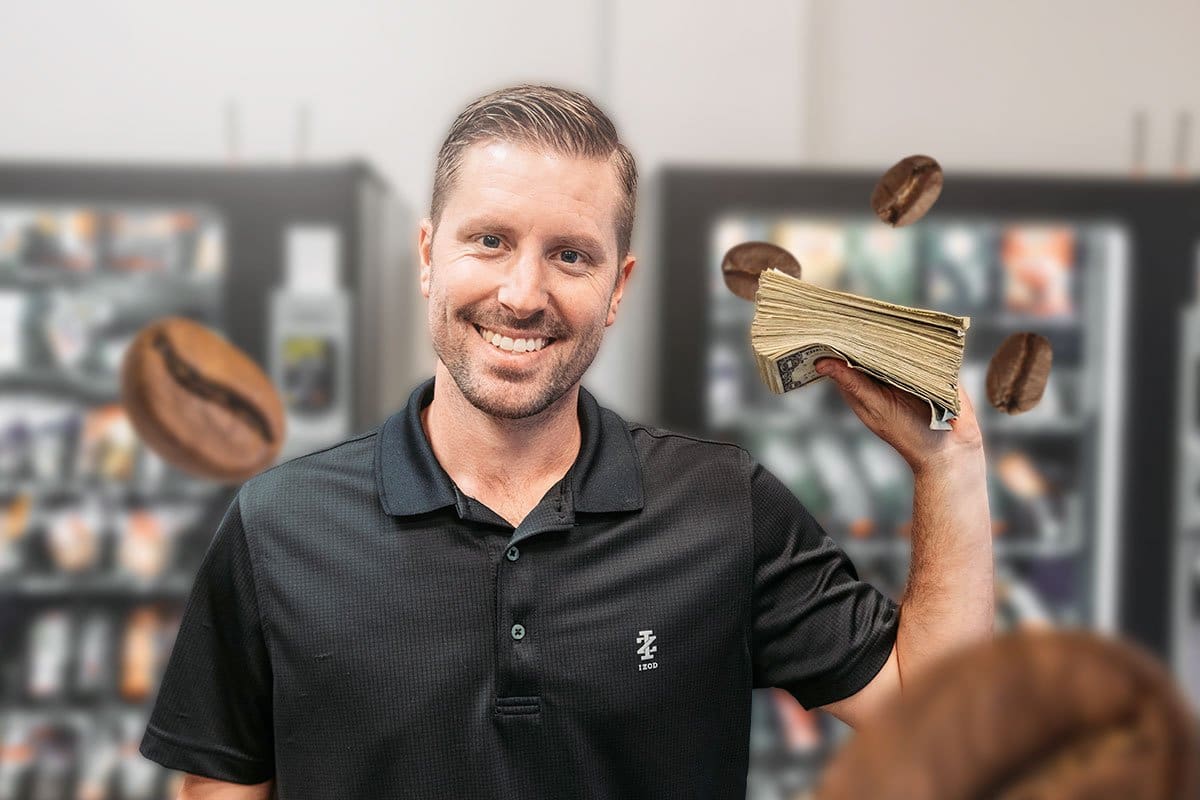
x=622, y=276
x=424, y=250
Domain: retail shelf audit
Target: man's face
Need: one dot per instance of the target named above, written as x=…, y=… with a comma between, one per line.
x=526, y=248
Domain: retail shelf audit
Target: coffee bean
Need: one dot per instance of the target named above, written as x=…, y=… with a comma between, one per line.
x=199, y=402
x=907, y=190
x=743, y=263
x=1027, y=714
x=1018, y=371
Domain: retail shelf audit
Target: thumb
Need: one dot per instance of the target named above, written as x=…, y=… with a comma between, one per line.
x=841, y=374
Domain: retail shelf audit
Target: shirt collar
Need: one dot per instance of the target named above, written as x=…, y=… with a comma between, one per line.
x=606, y=475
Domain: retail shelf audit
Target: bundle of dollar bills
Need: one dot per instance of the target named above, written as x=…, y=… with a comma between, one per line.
x=914, y=349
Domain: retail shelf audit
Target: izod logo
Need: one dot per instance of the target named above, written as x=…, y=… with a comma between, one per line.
x=646, y=650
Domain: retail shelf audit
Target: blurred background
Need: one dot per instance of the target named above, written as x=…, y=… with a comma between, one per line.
x=261, y=167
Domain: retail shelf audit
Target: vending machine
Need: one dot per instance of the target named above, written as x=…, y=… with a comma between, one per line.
x=1078, y=487
x=101, y=539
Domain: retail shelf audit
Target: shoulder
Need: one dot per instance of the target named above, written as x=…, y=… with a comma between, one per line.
x=682, y=453
x=348, y=463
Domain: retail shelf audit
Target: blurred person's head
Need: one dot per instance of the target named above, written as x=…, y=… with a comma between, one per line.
x=527, y=238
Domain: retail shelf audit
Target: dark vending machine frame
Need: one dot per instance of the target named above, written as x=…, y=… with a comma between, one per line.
x=256, y=203
x=1163, y=220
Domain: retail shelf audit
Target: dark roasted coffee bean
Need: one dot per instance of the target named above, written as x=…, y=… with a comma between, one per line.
x=1064, y=714
x=744, y=262
x=200, y=402
x=1018, y=371
x=907, y=190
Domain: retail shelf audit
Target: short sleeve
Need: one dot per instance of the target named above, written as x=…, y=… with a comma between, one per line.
x=818, y=631
x=212, y=714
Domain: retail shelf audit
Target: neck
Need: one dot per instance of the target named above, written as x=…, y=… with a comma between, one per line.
x=482, y=453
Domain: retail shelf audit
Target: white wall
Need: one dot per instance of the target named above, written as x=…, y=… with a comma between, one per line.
x=1017, y=85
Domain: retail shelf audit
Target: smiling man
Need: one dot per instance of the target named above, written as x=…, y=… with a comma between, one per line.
x=507, y=590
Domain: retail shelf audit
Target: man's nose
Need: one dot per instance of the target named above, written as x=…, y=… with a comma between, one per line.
x=523, y=291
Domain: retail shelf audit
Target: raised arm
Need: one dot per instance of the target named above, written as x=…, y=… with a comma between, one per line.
x=197, y=787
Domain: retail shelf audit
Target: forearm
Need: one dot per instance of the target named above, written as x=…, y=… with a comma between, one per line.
x=949, y=599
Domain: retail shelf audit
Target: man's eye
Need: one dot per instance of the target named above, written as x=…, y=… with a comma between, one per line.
x=571, y=256
x=491, y=240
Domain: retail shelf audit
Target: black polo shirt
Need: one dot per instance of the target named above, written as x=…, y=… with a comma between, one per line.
x=360, y=628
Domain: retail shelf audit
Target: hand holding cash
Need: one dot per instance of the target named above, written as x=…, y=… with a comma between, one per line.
x=892, y=364
x=901, y=418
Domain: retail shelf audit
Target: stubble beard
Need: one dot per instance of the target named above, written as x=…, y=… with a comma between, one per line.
x=501, y=393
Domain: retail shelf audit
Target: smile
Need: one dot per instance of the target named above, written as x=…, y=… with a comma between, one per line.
x=515, y=346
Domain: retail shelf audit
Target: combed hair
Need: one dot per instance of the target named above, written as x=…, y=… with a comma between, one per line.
x=547, y=117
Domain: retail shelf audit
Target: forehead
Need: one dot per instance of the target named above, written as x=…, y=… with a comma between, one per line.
x=536, y=189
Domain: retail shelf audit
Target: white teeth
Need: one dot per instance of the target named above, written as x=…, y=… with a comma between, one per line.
x=511, y=345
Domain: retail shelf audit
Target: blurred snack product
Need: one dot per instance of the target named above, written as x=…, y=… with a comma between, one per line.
x=12, y=327
x=888, y=476
x=1024, y=481
x=57, y=748
x=1037, y=263
x=801, y=727
x=52, y=429
x=16, y=757
x=852, y=509
x=56, y=237
x=763, y=738
x=14, y=530
x=959, y=271
x=71, y=323
x=145, y=543
x=49, y=650
x=73, y=536
x=93, y=671
x=1018, y=602
x=882, y=263
x=139, y=653
x=819, y=246
x=138, y=777
x=726, y=386
x=96, y=770
x=108, y=444
x=150, y=239
x=15, y=437
x=789, y=460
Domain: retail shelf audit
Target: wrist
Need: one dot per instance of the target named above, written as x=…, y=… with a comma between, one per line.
x=952, y=461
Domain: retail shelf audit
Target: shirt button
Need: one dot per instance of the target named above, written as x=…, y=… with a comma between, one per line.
x=513, y=553
x=518, y=632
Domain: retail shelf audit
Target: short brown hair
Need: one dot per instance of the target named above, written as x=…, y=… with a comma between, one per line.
x=558, y=120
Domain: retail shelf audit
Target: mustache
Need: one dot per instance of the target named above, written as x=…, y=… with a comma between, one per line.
x=532, y=325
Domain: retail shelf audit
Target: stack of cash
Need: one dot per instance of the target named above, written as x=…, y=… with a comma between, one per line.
x=914, y=349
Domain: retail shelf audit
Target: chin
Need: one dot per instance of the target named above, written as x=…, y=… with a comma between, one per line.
x=509, y=401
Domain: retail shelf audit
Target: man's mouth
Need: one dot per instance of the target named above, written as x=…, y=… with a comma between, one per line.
x=526, y=343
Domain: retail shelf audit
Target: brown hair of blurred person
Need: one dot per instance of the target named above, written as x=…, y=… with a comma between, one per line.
x=547, y=118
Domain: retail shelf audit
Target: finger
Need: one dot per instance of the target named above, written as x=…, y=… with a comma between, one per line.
x=842, y=374
x=857, y=384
